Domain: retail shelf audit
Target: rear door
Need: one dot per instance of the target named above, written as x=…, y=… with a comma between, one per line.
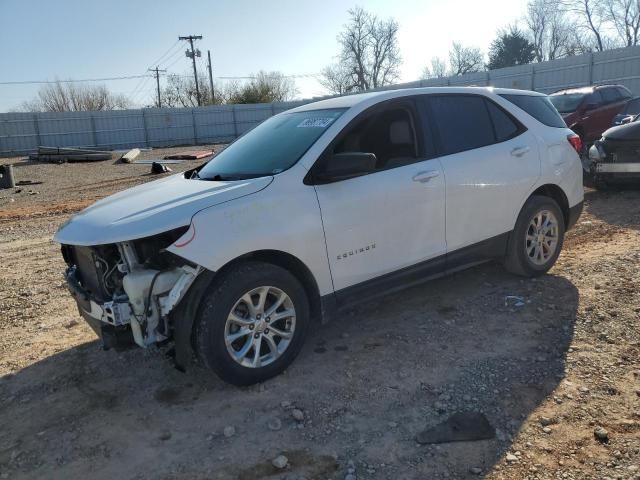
x=594, y=118
x=614, y=101
x=490, y=162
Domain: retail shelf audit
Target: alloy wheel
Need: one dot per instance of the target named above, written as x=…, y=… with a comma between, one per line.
x=541, y=238
x=260, y=327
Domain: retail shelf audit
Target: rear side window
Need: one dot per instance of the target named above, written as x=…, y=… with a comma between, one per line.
x=610, y=95
x=539, y=108
x=624, y=93
x=462, y=121
x=503, y=124
x=633, y=107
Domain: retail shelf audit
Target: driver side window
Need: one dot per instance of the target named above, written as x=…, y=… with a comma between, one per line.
x=390, y=133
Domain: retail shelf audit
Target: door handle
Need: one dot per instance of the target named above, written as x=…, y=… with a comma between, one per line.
x=520, y=151
x=424, y=177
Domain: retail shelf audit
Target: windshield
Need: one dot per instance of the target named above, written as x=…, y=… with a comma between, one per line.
x=567, y=102
x=272, y=147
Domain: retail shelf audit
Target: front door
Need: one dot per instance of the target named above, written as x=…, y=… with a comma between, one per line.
x=392, y=218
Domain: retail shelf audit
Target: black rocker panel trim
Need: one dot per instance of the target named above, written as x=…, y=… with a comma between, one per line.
x=392, y=282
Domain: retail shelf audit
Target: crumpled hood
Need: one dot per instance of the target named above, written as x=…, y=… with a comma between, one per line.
x=152, y=208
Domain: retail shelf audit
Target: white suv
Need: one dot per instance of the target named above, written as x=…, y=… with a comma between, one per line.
x=317, y=208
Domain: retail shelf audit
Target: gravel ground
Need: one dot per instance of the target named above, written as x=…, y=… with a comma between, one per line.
x=71, y=186
x=558, y=376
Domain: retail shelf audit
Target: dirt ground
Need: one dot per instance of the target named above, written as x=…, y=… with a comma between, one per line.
x=546, y=374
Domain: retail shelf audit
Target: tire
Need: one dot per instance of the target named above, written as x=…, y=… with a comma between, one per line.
x=519, y=259
x=224, y=315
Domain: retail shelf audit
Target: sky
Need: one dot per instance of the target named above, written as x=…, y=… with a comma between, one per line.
x=79, y=39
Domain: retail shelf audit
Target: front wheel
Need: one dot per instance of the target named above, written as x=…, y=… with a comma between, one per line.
x=252, y=323
x=536, y=240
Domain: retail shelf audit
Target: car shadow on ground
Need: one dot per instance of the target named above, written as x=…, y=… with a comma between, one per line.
x=618, y=205
x=367, y=384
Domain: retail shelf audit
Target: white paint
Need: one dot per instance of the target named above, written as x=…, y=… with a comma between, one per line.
x=474, y=196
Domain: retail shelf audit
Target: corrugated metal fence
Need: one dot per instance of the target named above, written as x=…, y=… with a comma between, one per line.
x=153, y=127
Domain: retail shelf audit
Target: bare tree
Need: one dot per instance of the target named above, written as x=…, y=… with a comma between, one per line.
x=624, y=15
x=264, y=88
x=180, y=91
x=70, y=97
x=550, y=30
x=465, y=59
x=337, y=79
x=436, y=69
x=369, y=55
x=591, y=15
x=536, y=20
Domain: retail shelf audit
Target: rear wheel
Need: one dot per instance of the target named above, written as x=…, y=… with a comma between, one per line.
x=252, y=324
x=537, y=238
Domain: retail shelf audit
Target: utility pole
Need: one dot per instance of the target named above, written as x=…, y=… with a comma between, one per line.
x=192, y=54
x=156, y=72
x=210, y=76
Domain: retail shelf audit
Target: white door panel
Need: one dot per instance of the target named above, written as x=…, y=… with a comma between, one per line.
x=384, y=221
x=486, y=187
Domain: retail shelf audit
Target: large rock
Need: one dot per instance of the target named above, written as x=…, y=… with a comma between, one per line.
x=459, y=427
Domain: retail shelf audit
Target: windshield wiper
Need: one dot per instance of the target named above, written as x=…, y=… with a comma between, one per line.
x=222, y=178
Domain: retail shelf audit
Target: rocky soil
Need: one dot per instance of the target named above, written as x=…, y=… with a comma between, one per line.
x=553, y=363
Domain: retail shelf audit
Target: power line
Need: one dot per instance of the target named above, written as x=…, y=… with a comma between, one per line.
x=253, y=77
x=139, y=88
x=174, y=62
x=175, y=55
x=143, y=93
x=104, y=79
x=159, y=60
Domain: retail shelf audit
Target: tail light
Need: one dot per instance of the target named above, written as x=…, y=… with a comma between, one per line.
x=576, y=142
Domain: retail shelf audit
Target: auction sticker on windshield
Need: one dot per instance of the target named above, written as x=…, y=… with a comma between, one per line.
x=315, y=123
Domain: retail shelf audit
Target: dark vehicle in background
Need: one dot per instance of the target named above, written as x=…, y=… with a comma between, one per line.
x=629, y=113
x=615, y=158
x=589, y=111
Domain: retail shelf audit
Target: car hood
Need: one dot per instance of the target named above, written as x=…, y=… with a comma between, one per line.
x=150, y=209
x=627, y=133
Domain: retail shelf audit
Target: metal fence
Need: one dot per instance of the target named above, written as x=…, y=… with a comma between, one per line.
x=163, y=127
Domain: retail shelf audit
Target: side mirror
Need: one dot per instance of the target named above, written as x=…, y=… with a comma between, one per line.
x=342, y=166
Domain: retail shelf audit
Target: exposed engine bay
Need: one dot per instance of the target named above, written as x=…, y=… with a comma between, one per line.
x=127, y=290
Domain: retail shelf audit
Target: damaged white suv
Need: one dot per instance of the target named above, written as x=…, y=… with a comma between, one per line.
x=320, y=207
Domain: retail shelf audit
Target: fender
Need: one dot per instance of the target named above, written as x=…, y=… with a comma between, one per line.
x=183, y=316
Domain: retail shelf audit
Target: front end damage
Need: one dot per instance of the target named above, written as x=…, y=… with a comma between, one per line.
x=616, y=156
x=127, y=291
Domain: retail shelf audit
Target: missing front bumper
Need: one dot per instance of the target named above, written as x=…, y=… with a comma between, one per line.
x=143, y=311
x=112, y=313
x=110, y=321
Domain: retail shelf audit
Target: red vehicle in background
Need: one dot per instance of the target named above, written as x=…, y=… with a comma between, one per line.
x=589, y=111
